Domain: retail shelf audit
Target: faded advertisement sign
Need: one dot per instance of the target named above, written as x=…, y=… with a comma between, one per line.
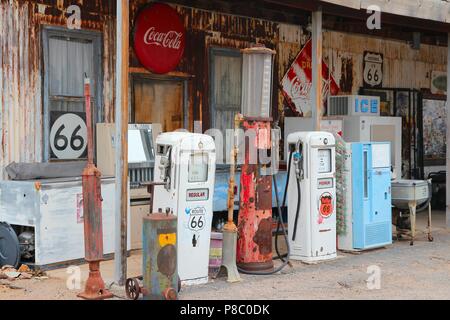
x=434, y=129
x=297, y=83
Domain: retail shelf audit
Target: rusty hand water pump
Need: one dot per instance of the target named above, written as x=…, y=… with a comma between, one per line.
x=92, y=208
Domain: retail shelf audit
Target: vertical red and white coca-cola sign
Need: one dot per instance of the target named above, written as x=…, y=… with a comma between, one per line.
x=159, y=38
x=297, y=83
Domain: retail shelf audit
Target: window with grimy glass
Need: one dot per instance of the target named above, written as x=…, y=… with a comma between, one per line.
x=69, y=57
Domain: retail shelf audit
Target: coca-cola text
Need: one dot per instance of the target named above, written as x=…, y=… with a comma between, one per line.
x=170, y=39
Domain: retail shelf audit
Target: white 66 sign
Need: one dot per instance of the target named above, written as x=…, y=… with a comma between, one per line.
x=373, y=70
x=68, y=136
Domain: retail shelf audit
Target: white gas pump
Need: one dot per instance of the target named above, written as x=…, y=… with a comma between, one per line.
x=186, y=164
x=312, y=196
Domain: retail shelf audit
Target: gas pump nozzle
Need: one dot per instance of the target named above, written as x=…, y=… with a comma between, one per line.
x=165, y=168
x=298, y=162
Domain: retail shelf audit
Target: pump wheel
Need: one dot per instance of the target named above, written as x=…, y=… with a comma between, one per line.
x=132, y=289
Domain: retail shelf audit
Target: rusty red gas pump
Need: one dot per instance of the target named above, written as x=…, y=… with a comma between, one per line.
x=254, y=245
x=92, y=208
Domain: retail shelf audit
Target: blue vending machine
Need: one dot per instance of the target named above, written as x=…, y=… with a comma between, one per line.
x=370, y=210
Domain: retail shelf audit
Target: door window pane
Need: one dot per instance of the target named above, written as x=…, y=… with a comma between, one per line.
x=70, y=59
x=226, y=94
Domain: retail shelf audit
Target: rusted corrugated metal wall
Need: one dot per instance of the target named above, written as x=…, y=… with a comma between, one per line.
x=21, y=73
x=21, y=69
x=20, y=84
x=404, y=67
x=207, y=29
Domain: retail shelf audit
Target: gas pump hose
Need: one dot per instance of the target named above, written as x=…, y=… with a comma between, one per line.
x=299, y=197
x=279, y=225
x=297, y=215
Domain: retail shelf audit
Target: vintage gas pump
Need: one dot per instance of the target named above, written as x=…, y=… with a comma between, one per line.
x=185, y=167
x=312, y=199
x=254, y=245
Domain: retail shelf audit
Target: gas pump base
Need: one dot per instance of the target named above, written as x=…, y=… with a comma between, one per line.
x=229, y=257
x=314, y=260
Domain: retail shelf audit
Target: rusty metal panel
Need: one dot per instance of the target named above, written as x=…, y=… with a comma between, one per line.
x=20, y=84
x=159, y=261
x=20, y=69
x=264, y=193
x=207, y=29
x=404, y=67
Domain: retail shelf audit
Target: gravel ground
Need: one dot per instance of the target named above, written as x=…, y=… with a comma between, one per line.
x=418, y=272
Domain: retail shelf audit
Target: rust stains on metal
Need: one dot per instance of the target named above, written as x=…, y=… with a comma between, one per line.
x=167, y=260
x=20, y=90
x=346, y=81
x=263, y=237
x=264, y=193
x=404, y=67
x=207, y=29
x=21, y=84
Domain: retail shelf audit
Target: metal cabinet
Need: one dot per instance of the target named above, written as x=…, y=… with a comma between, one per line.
x=371, y=176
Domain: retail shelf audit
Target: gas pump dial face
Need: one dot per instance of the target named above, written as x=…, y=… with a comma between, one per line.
x=198, y=168
x=325, y=161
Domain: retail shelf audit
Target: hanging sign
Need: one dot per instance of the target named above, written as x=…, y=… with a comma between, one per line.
x=373, y=70
x=159, y=38
x=68, y=135
x=297, y=83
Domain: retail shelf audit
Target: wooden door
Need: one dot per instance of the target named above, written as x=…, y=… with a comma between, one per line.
x=159, y=101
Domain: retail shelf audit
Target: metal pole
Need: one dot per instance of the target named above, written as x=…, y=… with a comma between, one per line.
x=448, y=132
x=316, y=95
x=122, y=58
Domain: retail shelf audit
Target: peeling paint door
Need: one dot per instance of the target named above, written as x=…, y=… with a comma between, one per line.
x=159, y=101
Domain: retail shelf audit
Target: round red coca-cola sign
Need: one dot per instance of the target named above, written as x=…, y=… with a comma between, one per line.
x=159, y=38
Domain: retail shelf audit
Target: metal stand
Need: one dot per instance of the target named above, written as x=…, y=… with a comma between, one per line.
x=229, y=243
x=229, y=257
x=412, y=212
x=413, y=217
